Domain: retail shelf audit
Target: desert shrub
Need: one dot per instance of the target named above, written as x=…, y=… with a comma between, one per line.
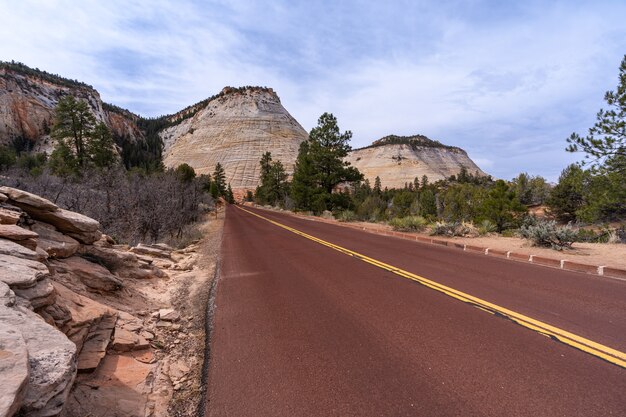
x=443, y=229
x=409, y=223
x=453, y=229
x=485, y=227
x=346, y=216
x=603, y=235
x=130, y=206
x=549, y=234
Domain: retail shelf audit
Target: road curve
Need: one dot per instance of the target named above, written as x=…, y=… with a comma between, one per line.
x=301, y=329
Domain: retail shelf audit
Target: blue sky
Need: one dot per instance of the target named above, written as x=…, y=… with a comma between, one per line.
x=507, y=81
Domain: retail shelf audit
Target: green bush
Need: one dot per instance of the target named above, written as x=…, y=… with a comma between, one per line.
x=409, y=223
x=549, y=234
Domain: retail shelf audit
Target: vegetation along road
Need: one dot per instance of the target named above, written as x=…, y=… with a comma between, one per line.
x=315, y=319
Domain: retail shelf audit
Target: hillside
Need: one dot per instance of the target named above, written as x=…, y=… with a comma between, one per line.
x=27, y=101
x=398, y=160
x=235, y=128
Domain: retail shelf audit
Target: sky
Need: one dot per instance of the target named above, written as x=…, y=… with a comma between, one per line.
x=508, y=81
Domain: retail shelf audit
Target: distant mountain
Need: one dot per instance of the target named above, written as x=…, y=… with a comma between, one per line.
x=234, y=128
x=398, y=160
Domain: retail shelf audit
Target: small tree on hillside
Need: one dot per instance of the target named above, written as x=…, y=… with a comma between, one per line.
x=100, y=147
x=219, y=179
x=185, y=172
x=230, y=197
x=74, y=122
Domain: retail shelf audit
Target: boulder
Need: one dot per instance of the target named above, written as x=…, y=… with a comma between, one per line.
x=13, y=369
x=41, y=295
x=9, y=216
x=23, y=198
x=21, y=273
x=55, y=243
x=94, y=276
x=16, y=233
x=158, y=252
x=3, y=197
x=10, y=248
x=122, y=263
x=51, y=362
x=82, y=228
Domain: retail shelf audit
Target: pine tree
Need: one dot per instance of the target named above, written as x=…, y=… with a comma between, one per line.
x=219, y=179
x=567, y=197
x=320, y=167
x=605, y=144
x=230, y=198
x=377, y=186
x=501, y=206
x=100, y=147
x=74, y=122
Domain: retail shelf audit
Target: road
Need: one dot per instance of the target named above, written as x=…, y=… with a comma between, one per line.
x=301, y=328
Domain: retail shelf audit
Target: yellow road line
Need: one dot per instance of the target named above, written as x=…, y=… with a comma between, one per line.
x=610, y=355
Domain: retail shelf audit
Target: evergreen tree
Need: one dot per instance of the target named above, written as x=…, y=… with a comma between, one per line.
x=74, y=122
x=185, y=172
x=502, y=207
x=377, y=186
x=303, y=186
x=63, y=161
x=567, y=197
x=273, y=187
x=219, y=179
x=320, y=167
x=100, y=147
x=605, y=144
x=230, y=198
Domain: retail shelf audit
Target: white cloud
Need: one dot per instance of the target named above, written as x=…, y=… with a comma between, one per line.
x=506, y=85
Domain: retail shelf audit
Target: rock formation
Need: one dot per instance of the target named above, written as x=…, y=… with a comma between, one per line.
x=235, y=129
x=27, y=101
x=398, y=160
x=50, y=261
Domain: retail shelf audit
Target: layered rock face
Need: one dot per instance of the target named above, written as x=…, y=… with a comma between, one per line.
x=398, y=160
x=235, y=129
x=27, y=105
x=50, y=330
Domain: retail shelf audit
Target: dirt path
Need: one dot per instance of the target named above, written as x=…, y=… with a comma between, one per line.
x=163, y=379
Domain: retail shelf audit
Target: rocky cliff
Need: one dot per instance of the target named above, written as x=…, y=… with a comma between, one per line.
x=398, y=160
x=27, y=101
x=86, y=327
x=235, y=129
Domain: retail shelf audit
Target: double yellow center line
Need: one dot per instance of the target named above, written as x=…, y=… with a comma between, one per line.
x=610, y=355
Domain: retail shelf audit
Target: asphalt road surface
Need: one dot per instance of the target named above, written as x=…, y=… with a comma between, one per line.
x=304, y=329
